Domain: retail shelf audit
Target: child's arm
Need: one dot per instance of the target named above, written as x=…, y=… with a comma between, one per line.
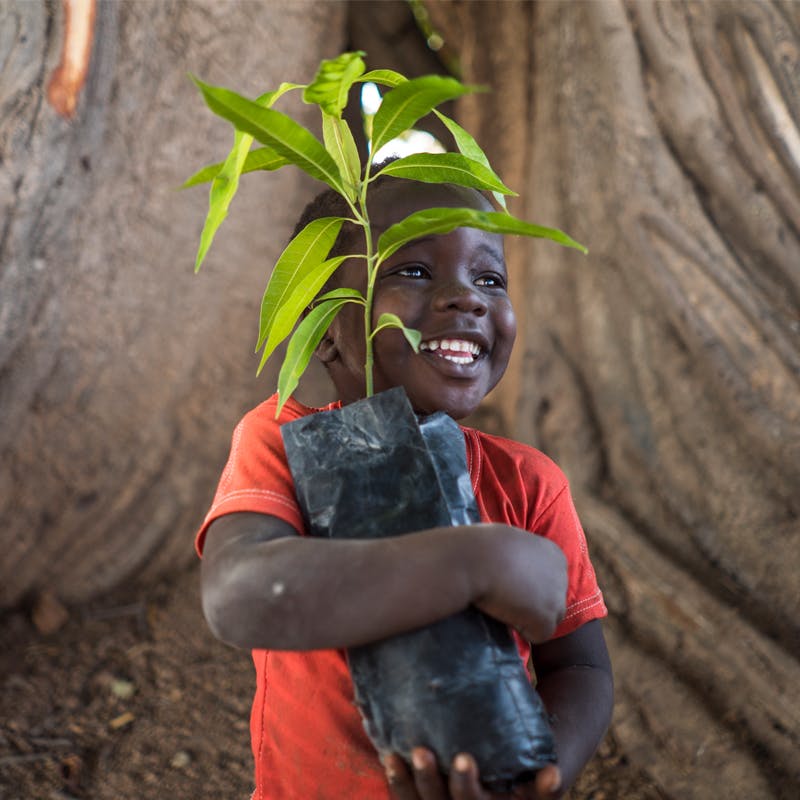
x=264, y=586
x=574, y=680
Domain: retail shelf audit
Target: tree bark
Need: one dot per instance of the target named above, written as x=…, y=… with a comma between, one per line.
x=122, y=373
x=662, y=372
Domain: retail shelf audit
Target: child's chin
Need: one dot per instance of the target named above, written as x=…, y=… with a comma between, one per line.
x=456, y=411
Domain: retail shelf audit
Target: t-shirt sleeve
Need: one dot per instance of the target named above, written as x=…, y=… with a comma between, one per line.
x=559, y=522
x=256, y=477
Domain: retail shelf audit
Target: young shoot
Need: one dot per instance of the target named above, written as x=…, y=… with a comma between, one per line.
x=303, y=268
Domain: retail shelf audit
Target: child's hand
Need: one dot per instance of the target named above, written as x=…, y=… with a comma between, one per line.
x=424, y=781
x=524, y=583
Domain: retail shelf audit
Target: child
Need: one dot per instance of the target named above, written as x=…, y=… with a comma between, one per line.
x=297, y=602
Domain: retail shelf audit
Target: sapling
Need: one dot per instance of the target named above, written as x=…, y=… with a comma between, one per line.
x=304, y=267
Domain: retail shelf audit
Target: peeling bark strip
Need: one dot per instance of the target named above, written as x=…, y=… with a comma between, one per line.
x=69, y=76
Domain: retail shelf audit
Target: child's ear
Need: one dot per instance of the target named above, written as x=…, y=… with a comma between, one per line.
x=327, y=351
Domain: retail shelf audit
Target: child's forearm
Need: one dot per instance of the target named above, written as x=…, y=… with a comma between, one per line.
x=286, y=592
x=579, y=698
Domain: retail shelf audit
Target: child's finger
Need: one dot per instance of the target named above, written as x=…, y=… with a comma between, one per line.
x=464, y=781
x=428, y=779
x=548, y=782
x=399, y=777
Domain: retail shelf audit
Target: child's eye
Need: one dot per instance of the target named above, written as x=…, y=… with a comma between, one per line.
x=412, y=271
x=491, y=280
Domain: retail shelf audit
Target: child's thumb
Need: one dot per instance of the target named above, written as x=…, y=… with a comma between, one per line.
x=548, y=781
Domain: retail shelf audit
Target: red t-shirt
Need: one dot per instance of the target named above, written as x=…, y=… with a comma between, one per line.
x=307, y=736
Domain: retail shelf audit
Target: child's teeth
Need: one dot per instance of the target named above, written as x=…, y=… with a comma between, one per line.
x=459, y=359
x=452, y=346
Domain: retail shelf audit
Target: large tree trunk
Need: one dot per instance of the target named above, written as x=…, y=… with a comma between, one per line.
x=662, y=372
x=122, y=373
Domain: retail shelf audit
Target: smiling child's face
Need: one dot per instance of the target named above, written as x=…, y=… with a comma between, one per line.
x=452, y=288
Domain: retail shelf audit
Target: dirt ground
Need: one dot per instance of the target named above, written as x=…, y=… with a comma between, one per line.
x=133, y=698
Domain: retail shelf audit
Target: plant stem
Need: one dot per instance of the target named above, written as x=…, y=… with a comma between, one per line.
x=371, y=257
x=370, y=360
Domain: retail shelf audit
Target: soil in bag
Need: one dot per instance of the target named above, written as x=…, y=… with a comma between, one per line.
x=372, y=470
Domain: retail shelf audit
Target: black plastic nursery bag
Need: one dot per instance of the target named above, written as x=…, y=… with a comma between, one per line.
x=372, y=470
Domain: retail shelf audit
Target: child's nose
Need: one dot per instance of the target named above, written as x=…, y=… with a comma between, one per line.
x=459, y=296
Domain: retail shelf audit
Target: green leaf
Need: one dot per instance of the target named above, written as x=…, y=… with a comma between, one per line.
x=383, y=77
x=351, y=294
x=406, y=103
x=443, y=220
x=225, y=183
x=305, y=340
x=468, y=147
x=269, y=98
x=445, y=168
x=277, y=130
x=302, y=256
x=223, y=188
x=332, y=83
x=464, y=140
x=386, y=320
x=287, y=314
x=340, y=144
x=262, y=158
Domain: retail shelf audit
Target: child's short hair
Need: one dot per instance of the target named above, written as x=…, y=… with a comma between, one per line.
x=329, y=203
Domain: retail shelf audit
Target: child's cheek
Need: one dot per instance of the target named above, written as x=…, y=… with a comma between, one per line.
x=507, y=320
x=392, y=300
